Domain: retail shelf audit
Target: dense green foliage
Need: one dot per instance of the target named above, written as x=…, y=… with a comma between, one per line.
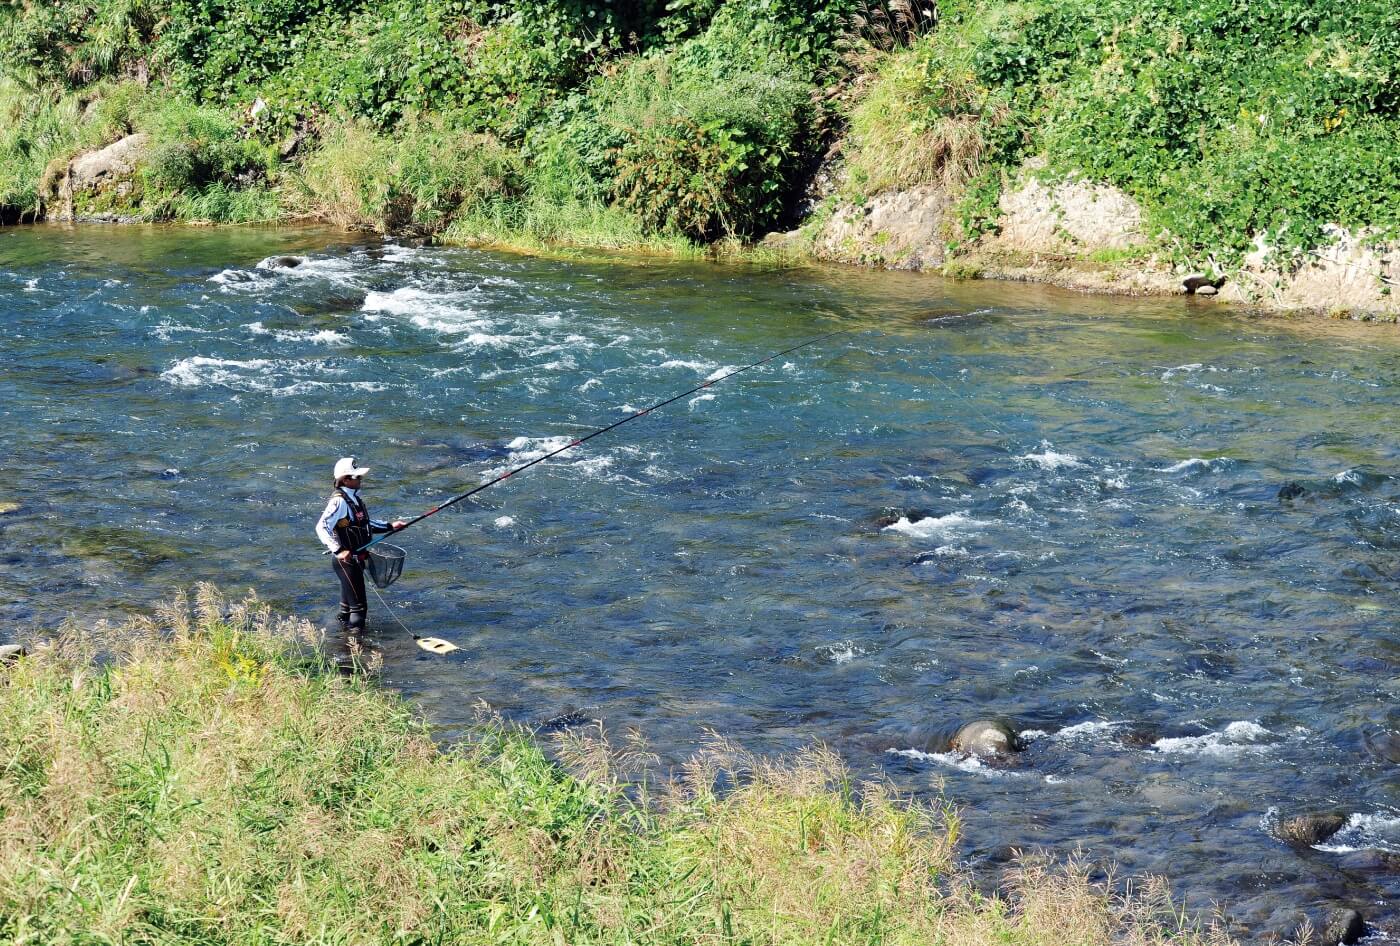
x=702, y=119
x=207, y=776
x=1223, y=118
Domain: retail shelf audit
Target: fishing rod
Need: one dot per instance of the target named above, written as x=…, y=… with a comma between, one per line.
x=602, y=430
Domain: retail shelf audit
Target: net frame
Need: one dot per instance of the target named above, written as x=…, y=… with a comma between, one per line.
x=385, y=563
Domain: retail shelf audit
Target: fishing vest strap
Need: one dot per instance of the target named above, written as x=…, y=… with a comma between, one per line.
x=354, y=531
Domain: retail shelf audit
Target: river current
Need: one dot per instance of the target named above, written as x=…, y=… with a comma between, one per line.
x=984, y=500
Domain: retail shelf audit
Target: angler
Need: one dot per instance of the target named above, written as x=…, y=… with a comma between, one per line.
x=346, y=529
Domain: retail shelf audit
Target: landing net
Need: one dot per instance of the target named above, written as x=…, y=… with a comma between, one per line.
x=385, y=564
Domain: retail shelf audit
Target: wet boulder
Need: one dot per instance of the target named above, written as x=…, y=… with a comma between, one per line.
x=987, y=738
x=890, y=515
x=1325, y=924
x=285, y=262
x=1307, y=830
x=1291, y=491
x=1137, y=737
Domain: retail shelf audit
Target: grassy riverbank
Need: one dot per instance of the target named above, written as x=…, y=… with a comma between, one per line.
x=669, y=126
x=216, y=781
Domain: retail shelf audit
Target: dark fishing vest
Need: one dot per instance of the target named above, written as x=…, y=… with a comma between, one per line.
x=353, y=531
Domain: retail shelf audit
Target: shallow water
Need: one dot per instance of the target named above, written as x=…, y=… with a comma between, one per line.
x=1087, y=532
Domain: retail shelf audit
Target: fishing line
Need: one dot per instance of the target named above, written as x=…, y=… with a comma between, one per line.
x=434, y=645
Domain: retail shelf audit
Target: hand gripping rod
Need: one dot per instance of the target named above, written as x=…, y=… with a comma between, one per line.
x=602, y=430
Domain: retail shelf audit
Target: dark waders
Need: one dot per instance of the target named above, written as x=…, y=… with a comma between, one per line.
x=353, y=606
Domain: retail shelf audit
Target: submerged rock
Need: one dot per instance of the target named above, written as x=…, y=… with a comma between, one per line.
x=1137, y=737
x=1383, y=745
x=7, y=506
x=285, y=262
x=1310, y=829
x=1370, y=861
x=1289, y=491
x=987, y=737
x=1332, y=925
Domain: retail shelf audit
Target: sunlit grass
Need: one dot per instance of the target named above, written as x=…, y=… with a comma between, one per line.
x=205, y=776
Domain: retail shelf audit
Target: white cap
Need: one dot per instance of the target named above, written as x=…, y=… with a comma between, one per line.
x=345, y=466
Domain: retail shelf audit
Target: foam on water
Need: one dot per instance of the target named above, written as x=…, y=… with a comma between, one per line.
x=1048, y=459
x=1195, y=465
x=957, y=760
x=1091, y=729
x=322, y=337
x=1365, y=832
x=1238, y=738
x=1192, y=368
x=842, y=652
x=696, y=366
x=504, y=522
x=268, y=376
x=955, y=525
x=524, y=449
x=447, y=312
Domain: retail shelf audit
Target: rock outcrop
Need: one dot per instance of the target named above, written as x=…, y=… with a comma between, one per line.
x=93, y=173
x=1080, y=235
x=1066, y=217
x=1353, y=275
x=894, y=230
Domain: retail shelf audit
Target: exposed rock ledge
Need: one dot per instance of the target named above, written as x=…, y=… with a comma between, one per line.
x=1067, y=234
x=67, y=184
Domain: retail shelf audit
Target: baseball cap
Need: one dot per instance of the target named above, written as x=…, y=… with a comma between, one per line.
x=345, y=466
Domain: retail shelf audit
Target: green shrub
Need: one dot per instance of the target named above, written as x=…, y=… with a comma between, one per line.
x=705, y=140
x=198, y=157
x=1221, y=118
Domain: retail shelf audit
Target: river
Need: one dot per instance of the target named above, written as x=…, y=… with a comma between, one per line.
x=984, y=500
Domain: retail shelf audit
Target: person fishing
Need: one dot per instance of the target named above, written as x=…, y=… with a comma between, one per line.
x=345, y=528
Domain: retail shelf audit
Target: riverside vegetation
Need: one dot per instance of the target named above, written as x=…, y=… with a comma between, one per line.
x=701, y=123
x=206, y=776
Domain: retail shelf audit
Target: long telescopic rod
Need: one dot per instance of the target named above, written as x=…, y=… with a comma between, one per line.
x=602, y=430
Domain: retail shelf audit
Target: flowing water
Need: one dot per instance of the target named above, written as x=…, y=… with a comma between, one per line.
x=986, y=500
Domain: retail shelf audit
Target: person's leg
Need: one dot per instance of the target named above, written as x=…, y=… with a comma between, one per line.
x=347, y=592
x=359, y=607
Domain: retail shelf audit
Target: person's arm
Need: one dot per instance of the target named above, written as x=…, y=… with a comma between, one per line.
x=336, y=510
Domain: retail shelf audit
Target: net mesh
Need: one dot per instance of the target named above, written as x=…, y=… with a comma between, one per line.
x=385, y=564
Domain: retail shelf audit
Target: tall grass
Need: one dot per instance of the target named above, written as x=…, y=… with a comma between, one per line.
x=921, y=117
x=423, y=176
x=211, y=779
